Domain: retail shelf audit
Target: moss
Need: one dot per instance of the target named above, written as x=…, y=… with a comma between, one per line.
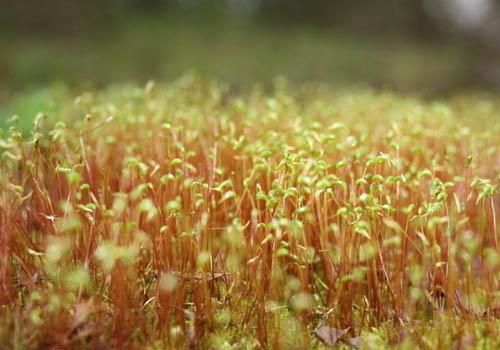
x=216, y=219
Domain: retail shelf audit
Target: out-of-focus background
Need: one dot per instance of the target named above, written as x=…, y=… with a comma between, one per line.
x=419, y=46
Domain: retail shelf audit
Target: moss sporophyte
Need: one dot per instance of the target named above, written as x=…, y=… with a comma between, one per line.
x=188, y=215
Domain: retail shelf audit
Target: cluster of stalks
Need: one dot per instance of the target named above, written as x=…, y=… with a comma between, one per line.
x=189, y=216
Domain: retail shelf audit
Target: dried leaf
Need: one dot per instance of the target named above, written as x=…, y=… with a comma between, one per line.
x=354, y=342
x=329, y=335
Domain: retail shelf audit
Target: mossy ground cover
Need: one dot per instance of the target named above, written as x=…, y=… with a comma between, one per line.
x=188, y=215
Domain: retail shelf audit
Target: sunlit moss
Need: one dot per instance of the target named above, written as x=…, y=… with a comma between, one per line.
x=199, y=217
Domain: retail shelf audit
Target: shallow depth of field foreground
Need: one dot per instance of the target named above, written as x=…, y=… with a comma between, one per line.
x=190, y=215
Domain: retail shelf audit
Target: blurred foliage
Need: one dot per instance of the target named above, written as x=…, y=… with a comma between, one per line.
x=144, y=46
x=86, y=44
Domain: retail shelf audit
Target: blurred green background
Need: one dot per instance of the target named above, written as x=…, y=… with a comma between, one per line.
x=423, y=47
